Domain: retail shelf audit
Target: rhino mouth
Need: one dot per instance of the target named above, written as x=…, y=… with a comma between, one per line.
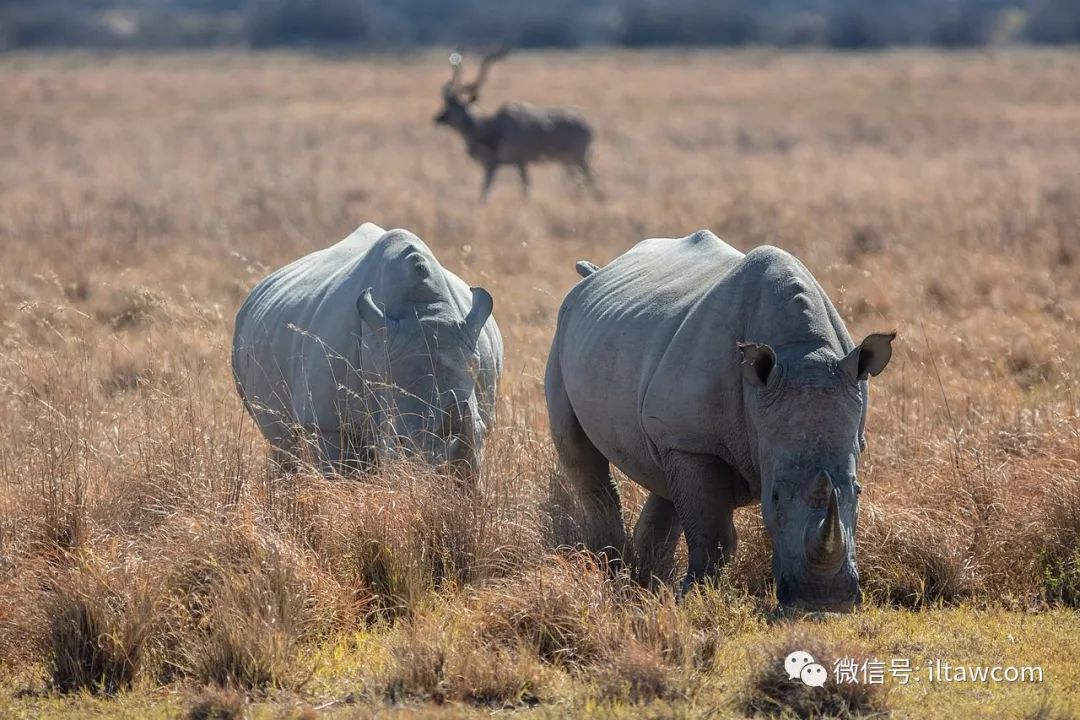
x=800, y=608
x=792, y=602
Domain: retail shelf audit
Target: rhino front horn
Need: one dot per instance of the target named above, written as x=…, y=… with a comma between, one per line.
x=826, y=543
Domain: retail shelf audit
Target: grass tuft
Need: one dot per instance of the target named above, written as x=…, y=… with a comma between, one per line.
x=99, y=622
x=216, y=703
x=770, y=692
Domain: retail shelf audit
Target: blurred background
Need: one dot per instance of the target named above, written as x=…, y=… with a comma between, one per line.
x=363, y=25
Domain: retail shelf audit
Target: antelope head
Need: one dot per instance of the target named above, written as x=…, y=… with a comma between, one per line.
x=459, y=97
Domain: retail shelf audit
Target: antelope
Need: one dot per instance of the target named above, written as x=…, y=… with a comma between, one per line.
x=518, y=134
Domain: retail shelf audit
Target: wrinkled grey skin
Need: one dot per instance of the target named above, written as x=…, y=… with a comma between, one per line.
x=519, y=134
x=369, y=347
x=716, y=379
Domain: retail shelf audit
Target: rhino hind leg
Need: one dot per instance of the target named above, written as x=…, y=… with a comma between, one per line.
x=345, y=453
x=655, y=539
x=283, y=460
x=702, y=489
x=588, y=473
x=284, y=442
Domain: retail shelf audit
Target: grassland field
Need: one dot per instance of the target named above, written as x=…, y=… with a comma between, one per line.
x=153, y=565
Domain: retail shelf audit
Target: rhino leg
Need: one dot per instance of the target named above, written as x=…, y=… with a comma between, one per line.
x=330, y=446
x=655, y=538
x=702, y=489
x=283, y=460
x=284, y=446
x=344, y=453
x=587, y=471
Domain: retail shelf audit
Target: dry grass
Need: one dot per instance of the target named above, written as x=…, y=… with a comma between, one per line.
x=217, y=704
x=770, y=692
x=99, y=619
x=144, y=542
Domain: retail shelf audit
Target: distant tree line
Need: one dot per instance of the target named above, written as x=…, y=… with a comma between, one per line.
x=371, y=25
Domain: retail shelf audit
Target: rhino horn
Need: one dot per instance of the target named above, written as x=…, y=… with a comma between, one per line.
x=454, y=416
x=825, y=547
x=482, y=305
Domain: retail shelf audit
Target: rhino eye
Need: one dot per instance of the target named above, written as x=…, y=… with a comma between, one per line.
x=858, y=489
x=775, y=496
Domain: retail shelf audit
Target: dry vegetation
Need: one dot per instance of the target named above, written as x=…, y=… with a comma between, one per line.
x=145, y=545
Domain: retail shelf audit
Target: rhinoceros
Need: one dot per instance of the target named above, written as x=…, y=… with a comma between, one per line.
x=366, y=349
x=716, y=379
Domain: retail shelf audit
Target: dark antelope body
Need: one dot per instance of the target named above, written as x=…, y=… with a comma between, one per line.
x=517, y=134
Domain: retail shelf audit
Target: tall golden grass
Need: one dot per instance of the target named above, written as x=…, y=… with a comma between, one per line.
x=143, y=536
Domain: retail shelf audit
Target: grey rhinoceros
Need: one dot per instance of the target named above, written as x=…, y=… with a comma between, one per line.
x=714, y=380
x=366, y=348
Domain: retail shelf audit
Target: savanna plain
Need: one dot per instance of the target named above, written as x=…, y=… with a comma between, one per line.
x=153, y=564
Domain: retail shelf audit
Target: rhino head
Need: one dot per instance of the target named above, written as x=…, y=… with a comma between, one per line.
x=806, y=412
x=424, y=368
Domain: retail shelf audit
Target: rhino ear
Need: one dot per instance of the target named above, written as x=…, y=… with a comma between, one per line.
x=482, y=305
x=870, y=357
x=585, y=268
x=370, y=313
x=758, y=361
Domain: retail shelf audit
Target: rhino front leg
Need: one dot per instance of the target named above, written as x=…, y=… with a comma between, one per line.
x=655, y=538
x=701, y=487
x=345, y=452
x=330, y=445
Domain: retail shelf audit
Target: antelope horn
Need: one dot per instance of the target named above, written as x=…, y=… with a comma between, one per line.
x=457, y=61
x=473, y=88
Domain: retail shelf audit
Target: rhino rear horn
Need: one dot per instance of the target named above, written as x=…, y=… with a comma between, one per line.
x=482, y=305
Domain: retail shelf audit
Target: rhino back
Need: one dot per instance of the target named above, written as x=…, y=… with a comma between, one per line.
x=296, y=350
x=297, y=335
x=615, y=328
x=648, y=352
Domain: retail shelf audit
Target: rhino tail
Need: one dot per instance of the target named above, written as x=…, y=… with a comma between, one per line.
x=586, y=268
